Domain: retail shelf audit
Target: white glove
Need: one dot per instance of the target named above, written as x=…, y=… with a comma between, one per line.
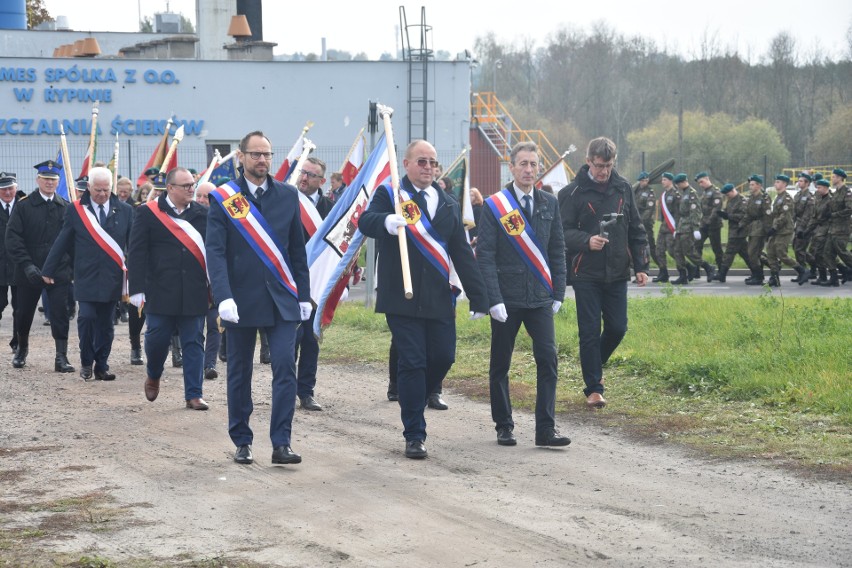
x=476, y=315
x=228, y=311
x=696, y=235
x=137, y=299
x=556, y=305
x=306, y=308
x=498, y=312
x=393, y=223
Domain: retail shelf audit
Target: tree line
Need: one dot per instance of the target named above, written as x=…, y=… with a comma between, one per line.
x=790, y=108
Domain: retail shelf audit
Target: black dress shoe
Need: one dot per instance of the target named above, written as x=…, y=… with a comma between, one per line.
x=86, y=372
x=104, y=376
x=308, y=403
x=243, y=454
x=435, y=401
x=551, y=437
x=415, y=449
x=283, y=454
x=136, y=356
x=210, y=373
x=505, y=437
x=393, y=394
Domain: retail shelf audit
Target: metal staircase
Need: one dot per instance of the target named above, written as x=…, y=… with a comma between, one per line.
x=502, y=132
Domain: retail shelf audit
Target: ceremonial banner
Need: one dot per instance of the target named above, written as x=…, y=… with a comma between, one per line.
x=158, y=156
x=293, y=156
x=355, y=159
x=62, y=186
x=333, y=250
x=556, y=177
x=459, y=172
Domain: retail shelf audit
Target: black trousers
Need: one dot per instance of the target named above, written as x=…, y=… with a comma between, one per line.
x=28, y=298
x=4, y=301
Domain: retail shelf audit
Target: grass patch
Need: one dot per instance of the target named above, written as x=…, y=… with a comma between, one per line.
x=766, y=377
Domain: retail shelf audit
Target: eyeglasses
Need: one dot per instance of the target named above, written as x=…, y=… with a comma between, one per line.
x=310, y=175
x=607, y=166
x=183, y=186
x=426, y=162
x=259, y=155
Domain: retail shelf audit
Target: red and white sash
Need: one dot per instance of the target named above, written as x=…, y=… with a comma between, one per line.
x=668, y=218
x=183, y=231
x=310, y=216
x=103, y=240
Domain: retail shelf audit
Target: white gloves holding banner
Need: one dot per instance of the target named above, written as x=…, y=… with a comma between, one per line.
x=696, y=235
x=137, y=299
x=476, y=315
x=393, y=223
x=306, y=308
x=556, y=305
x=498, y=312
x=228, y=311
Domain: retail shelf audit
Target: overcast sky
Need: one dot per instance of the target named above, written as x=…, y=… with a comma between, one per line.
x=370, y=26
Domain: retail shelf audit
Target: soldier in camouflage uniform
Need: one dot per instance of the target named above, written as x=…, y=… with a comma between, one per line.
x=735, y=213
x=646, y=203
x=803, y=208
x=839, y=225
x=687, y=232
x=758, y=218
x=665, y=237
x=711, y=223
x=817, y=230
x=780, y=234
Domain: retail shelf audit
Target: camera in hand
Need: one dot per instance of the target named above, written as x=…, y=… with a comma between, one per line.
x=608, y=220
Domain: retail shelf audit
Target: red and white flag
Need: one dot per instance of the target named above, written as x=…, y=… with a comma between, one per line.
x=158, y=155
x=556, y=177
x=293, y=155
x=355, y=159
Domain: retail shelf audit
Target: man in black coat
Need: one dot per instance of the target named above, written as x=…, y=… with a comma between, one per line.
x=307, y=348
x=255, y=290
x=604, y=236
x=9, y=196
x=95, y=233
x=521, y=254
x=423, y=327
x=33, y=226
x=167, y=274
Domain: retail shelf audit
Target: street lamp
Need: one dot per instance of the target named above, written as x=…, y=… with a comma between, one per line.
x=497, y=66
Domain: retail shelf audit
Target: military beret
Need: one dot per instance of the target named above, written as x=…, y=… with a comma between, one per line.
x=817, y=176
x=48, y=169
x=82, y=183
x=159, y=181
x=823, y=182
x=668, y=175
x=643, y=175
x=192, y=171
x=700, y=175
x=219, y=182
x=839, y=172
x=727, y=187
x=806, y=175
x=757, y=178
x=152, y=171
x=7, y=179
x=782, y=177
x=680, y=178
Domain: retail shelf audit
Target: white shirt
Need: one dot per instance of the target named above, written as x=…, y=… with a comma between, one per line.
x=253, y=188
x=431, y=195
x=519, y=194
x=46, y=197
x=173, y=206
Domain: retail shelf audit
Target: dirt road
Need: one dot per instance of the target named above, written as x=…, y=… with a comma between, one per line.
x=93, y=468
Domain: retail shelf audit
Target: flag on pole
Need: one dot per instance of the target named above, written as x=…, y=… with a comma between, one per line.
x=157, y=157
x=225, y=170
x=355, y=159
x=289, y=163
x=62, y=187
x=333, y=250
x=459, y=172
x=91, y=154
x=556, y=176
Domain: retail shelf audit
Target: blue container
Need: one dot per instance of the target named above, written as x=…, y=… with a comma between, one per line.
x=13, y=14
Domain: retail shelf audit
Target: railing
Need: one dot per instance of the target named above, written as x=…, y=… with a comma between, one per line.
x=495, y=121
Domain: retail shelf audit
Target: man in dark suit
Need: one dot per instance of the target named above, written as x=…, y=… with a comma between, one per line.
x=523, y=266
x=9, y=196
x=33, y=226
x=424, y=327
x=307, y=348
x=167, y=274
x=95, y=233
x=259, y=288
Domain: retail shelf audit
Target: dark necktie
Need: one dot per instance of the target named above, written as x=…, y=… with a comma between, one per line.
x=8, y=210
x=101, y=215
x=420, y=200
x=258, y=193
x=526, y=205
